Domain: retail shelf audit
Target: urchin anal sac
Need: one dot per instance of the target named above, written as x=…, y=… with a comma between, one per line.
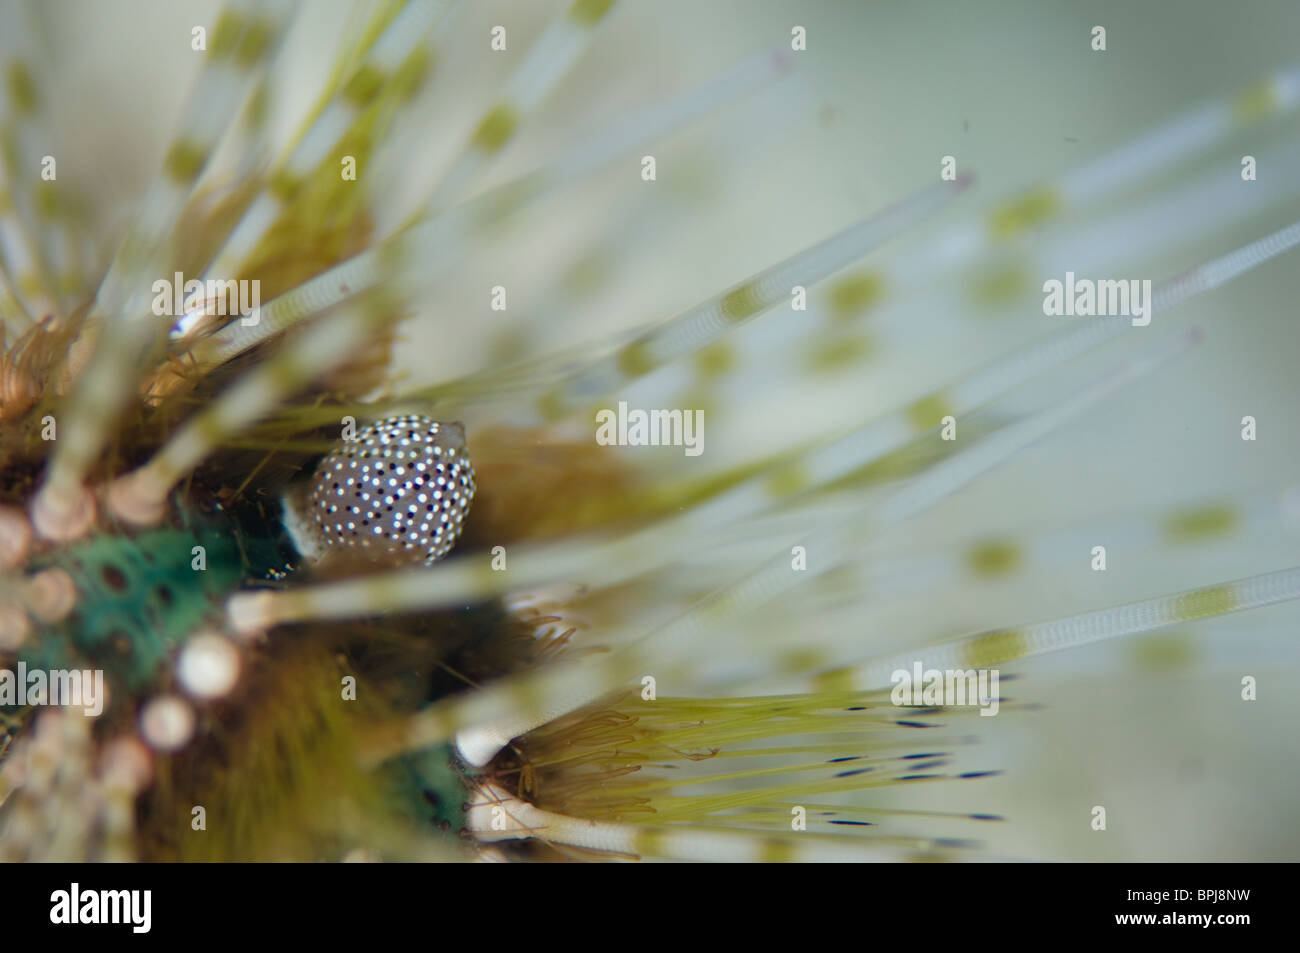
x=398, y=493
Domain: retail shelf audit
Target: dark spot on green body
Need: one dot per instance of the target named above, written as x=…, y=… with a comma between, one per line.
x=139, y=597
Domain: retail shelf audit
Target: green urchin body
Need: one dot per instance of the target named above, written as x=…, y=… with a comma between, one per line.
x=140, y=596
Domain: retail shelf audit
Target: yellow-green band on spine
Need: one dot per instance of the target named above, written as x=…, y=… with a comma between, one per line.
x=185, y=161
x=928, y=412
x=364, y=86
x=1256, y=103
x=496, y=128
x=637, y=359
x=993, y=648
x=854, y=294
x=255, y=42
x=999, y=286
x=742, y=302
x=589, y=12
x=226, y=36
x=1211, y=601
x=22, y=89
x=1024, y=213
x=1201, y=523
x=787, y=481
x=994, y=557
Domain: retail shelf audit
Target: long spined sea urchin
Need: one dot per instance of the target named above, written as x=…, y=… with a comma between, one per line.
x=223, y=502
